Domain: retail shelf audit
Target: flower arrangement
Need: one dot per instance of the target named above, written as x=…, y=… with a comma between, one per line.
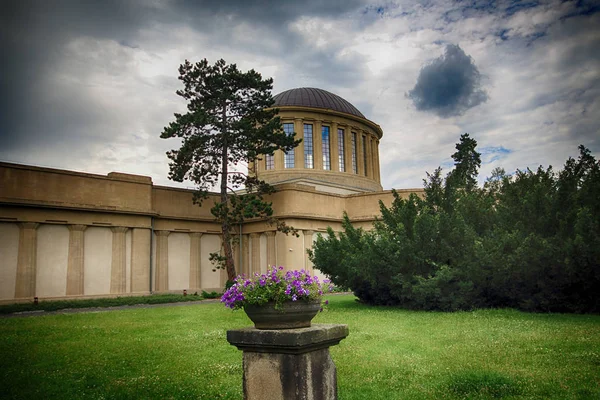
x=275, y=286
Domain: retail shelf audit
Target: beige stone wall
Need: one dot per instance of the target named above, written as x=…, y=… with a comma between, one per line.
x=9, y=251
x=52, y=259
x=140, y=260
x=23, y=184
x=179, y=261
x=211, y=280
x=56, y=241
x=263, y=255
x=128, y=252
x=97, y=260
x=178, y=203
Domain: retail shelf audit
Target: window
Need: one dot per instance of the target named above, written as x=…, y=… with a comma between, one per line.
x=308, y=146
x=354, y=160
x=341, y=150
x=325, y=142
x=288, y=158
x=364, y=148
x=269, y=161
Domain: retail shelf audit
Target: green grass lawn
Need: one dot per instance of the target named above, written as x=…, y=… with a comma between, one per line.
x=181, y=353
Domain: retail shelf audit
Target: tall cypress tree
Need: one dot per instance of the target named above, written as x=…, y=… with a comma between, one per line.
x=230, y=120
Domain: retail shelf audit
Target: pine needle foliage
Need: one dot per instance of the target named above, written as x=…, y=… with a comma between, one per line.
x=230, y=121
x=530, y=240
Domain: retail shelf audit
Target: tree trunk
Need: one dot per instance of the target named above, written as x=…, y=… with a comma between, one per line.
x=225, y=228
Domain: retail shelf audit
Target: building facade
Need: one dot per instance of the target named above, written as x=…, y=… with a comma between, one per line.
x=66, y=234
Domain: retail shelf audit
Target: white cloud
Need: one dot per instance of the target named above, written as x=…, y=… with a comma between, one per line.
x=95, y=96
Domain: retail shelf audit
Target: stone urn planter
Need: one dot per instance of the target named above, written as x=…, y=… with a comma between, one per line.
x=291, y=314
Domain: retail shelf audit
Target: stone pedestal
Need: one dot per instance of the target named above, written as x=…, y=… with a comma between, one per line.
x=289, y=364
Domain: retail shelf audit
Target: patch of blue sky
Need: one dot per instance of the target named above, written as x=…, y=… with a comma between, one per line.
x=503, y=34
x=583, y=7
x=491, y=154
x=379, y=9
x=447, y=164
x=518, y=5
x=494, y=150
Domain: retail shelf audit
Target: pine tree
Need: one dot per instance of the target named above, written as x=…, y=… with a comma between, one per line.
x=230, y=120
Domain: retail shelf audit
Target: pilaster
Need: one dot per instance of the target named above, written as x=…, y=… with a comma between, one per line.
x=255, y=262
x=245, y=267
x=140, y=260
x=75, y=260
x=318, y=144
x=359, y=153
x=195, y=261
x=333, y=147
x=299, y=150
x=348, y=149
x=377, y=166
x=26, y=260
x=161, y=281
x=271, y=253
x=278, y=160
x=370, y=158
x=118, y=277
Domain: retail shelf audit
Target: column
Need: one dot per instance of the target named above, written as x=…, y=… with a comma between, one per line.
x=318, y=145
x=271, y=254
x=26, y=260
x=370, y=157
x=278, y=160
x=245, y=267
x=359, y=153
x=255, y=262
x=348, y=149
x=195, y=261
x=140, y=260
x=161, y=280
x=373, y=158
x=333, y=143
x=308, y=240
x=377, y=166
x=289, y=364
x=299, y=150
x=118, y=277
x=75, y=261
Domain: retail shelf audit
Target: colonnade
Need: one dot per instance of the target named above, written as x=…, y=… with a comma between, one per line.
x=365, y=141
x=128, y=266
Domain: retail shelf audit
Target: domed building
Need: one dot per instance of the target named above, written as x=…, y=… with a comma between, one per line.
x=339, y=152
x=66, y=234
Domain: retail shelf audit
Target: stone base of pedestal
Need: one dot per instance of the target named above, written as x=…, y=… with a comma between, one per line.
x=289, y=364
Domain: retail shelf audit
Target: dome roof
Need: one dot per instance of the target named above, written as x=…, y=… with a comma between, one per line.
x=317, y=98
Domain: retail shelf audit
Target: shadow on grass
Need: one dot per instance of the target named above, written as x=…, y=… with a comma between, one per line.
x=483, y=384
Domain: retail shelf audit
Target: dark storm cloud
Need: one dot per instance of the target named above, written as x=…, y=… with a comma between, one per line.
x=32, y=36
x=448, y=86
x=35, y=108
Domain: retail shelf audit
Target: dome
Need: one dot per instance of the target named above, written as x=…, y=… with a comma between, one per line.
x=317, y=98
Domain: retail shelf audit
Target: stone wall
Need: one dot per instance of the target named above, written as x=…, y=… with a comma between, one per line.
x=68, y=234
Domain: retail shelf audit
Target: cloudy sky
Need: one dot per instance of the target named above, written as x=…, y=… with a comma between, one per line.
x=89, y=85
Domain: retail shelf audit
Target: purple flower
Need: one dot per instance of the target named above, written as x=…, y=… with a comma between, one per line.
x=274, y=285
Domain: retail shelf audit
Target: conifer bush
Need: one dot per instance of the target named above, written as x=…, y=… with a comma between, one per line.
x=529, y=241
